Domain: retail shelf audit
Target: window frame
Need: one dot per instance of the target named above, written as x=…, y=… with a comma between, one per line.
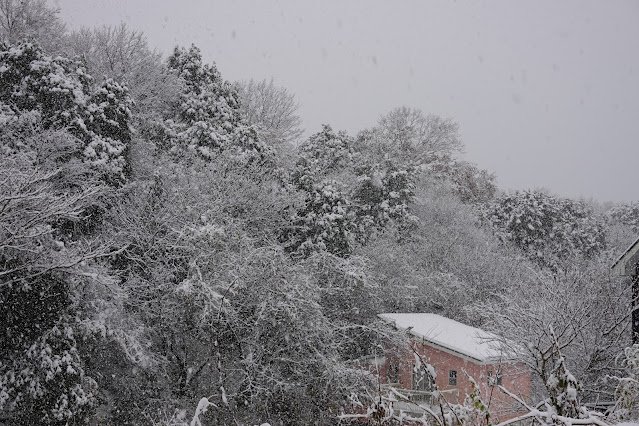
x=494, y=379
x=452, y=377
x=423, y=385
x=393, y=371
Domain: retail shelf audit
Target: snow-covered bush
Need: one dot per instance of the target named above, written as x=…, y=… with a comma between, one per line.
x=47, y=385
x=627, y=391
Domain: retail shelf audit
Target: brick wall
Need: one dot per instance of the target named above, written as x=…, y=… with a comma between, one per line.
x=514, y=376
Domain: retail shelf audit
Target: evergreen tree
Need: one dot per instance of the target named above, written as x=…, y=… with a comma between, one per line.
x=549, y=229
x=54, y=93
x=208, y=119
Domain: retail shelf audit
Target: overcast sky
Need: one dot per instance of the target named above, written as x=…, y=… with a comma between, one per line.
x=546, y=93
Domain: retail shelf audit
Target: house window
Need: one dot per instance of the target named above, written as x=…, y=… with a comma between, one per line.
x=393, y=371
x=492, y=381
x=421, y=380
x=452, y=377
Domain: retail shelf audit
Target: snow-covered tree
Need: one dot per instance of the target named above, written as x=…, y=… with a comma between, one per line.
x=626, y=214
x=472, y=184
x=229, y=314
x=208, y=119
x=428, y=145
x=327, y=220
x=445, y=262
x=43, y=267
x=549, y=229
x=627, y=391
x=55, y=94
x=272, y=110
x=46, y=383
x=325, y=223
x=324, y=154
x=585, y=308
x=109, y=131
x=381, y=195
x=124, y=55
x=114, y=52
x=348, y=200
x=407, y=136
x=564, y=404
x=33, y=21
x=54, y=88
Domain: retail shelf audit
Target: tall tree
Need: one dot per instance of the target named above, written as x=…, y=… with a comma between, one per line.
x=54, y=93
x=349, y=197
x=408, y=136
x=31, y=20
x=426, y=145
x=272, y=109
x=580, y=311
x=208, y=119
x=124, y=55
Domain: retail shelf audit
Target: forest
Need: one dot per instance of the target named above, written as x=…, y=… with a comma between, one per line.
x=173, y=250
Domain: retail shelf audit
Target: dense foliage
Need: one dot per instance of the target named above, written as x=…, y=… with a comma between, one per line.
x=626, y=214
x=54, y=93
x=550, y=230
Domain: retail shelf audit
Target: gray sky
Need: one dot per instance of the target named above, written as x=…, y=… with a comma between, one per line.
x=546, y=93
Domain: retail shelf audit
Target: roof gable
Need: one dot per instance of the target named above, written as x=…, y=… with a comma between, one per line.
x=447, y=333
x=626, y=264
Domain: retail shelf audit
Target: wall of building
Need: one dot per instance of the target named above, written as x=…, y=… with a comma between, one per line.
x=515, y=377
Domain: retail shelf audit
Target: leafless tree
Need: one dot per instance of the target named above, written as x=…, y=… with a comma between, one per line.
x=272, y=110
x=32, y=20
x=116, y=52
x=123, y=54
x=407, y=134
x=580, y=312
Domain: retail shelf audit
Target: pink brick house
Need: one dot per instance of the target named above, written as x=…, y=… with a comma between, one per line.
x=456, y=351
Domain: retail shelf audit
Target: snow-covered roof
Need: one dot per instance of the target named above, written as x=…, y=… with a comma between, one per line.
x=449, y=334
x=624, y=265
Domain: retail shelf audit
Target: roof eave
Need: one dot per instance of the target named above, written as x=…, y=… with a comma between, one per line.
x=448, y=348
